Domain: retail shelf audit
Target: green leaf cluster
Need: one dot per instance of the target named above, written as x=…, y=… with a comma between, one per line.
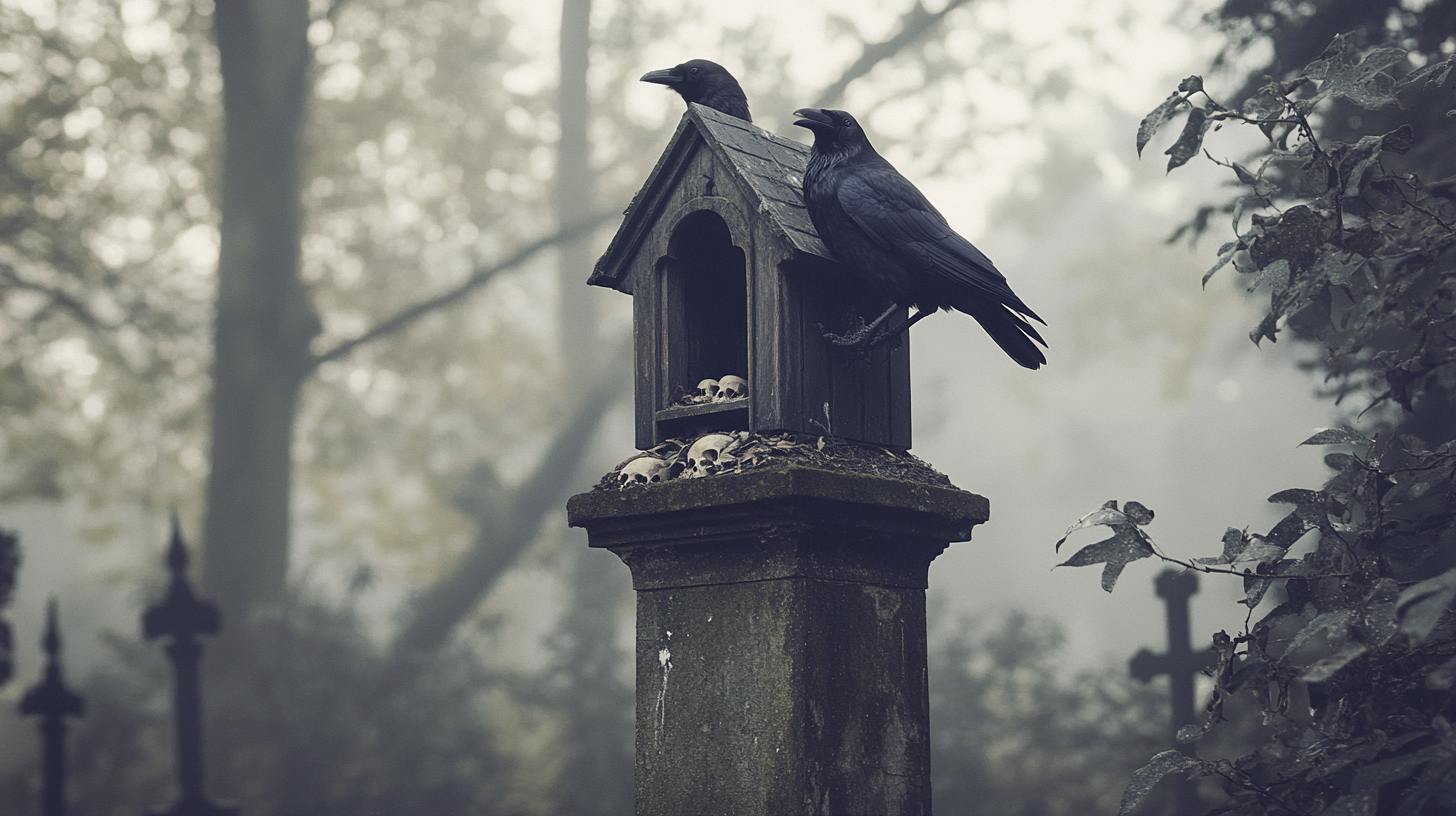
x=1354, y=251
x=1349, y=648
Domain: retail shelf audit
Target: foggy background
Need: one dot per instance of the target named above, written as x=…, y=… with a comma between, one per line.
x=1017, y=119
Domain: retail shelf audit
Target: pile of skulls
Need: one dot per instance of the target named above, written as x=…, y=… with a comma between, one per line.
x=708, y=454
x=725, y=388
x=718, y=453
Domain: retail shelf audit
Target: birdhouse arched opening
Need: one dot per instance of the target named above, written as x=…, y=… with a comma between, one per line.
x=705, y=288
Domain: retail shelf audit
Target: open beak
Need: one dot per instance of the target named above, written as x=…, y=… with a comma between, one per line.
x=667, y=76
x=813, y=118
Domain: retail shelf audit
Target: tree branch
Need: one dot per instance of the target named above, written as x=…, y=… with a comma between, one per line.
x=913, y=25
x=59, y=299
x=508, y=524
x=479, y=278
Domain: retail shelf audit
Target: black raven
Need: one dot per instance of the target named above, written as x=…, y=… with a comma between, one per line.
x=706, y=83
x=879, y=226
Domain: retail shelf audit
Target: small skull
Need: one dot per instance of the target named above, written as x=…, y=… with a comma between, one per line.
x=732, y=387
x=708, y=389
x=707, y=456
x=642, y=470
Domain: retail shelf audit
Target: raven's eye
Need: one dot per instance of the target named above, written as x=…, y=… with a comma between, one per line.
x=695, y=71
x=844, y=122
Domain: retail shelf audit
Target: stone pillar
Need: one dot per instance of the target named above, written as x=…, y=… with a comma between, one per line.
x=781, y=654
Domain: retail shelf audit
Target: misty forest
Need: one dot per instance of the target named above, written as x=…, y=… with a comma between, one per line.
x=300, y=363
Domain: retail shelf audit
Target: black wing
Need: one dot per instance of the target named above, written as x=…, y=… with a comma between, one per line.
x=900, y=220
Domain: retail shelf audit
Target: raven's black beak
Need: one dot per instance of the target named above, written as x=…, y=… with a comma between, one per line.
x=667, y=76
x=814, y=119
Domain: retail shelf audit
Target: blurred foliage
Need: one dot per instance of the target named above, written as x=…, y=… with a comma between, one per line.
x=589, y=684
x=105, y=232
x=336, y=732
x=1013, y=736
x=1353, y=234
x=325, y=729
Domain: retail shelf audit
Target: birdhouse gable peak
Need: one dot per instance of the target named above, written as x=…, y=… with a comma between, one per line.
x=768, y=170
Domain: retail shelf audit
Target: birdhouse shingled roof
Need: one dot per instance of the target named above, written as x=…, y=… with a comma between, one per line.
x=769, y=167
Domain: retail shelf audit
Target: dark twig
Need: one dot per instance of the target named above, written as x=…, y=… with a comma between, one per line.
x=913, y=25
x=58, y=298
x=508, y=525
x=480, y=277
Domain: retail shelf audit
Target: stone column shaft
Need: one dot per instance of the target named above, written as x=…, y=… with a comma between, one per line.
x=781, y=654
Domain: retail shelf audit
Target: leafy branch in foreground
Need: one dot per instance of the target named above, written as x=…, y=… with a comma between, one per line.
x=1354, y=661
x=1372, y=645
x=1355, y=255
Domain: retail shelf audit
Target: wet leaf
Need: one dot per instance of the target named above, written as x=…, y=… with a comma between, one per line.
x=1266, y=104
x=1433, y=74
x=1443, y=676
x=1223, y=260
x=1420, y=607
x=1357, y=162
x=1327, y=624
x=1398, y=141
x=1276, y=274
x=1106, y=514
x=1157, y=118
x=1343, y=435
x=1326, y=668
x=1144, y=778
x=1190, y=140
x=1126, y=545
x=1138, y=514
x=1194, y=732
x=1343, y=72
x=1234, y=542
x=1254, y=589
x=1259, y=552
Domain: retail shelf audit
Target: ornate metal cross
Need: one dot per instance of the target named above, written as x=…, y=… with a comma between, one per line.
x=183, y=616
x=53, y=702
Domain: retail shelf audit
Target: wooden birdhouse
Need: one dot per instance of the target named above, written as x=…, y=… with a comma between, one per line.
x=729, y=279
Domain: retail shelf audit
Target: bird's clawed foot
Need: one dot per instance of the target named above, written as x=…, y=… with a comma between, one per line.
x=858, y=336
x=862, y=338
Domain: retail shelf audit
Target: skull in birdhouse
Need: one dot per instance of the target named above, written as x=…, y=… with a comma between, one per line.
x=732, y=387
x=642, y=470
x=708, y=390
x=709, y=455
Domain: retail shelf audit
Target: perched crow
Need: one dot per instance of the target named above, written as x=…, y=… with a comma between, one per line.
x=706, y=83
x=895, y=243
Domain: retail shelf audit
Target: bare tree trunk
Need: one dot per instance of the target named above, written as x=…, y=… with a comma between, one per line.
x=264, y=319
x=508, y=522
x=575, y=189
x=596, y=774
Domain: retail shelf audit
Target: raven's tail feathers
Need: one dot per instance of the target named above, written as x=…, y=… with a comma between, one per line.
x=1011, y=332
